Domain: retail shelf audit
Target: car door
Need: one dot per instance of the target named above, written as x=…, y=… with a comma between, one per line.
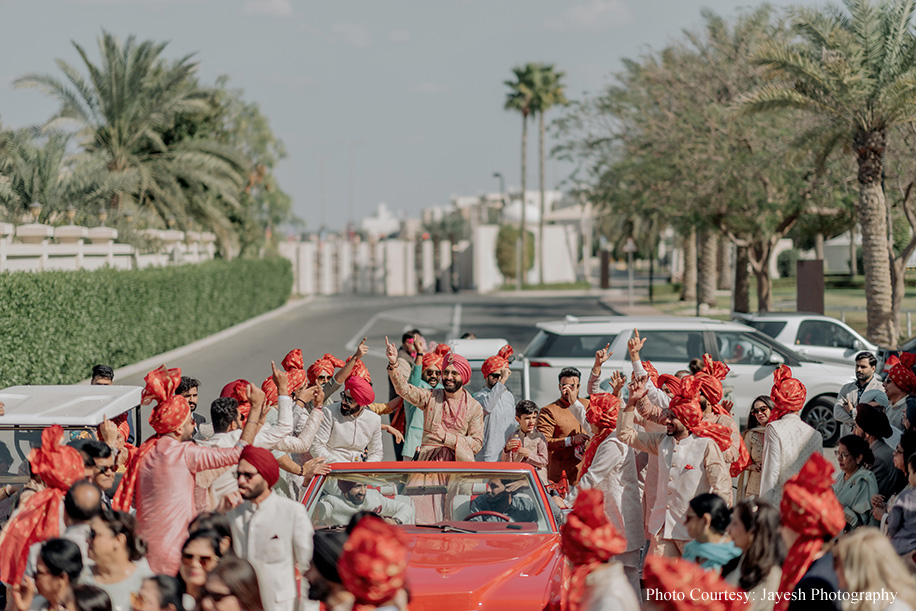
x=823, y=340
x=751, y=365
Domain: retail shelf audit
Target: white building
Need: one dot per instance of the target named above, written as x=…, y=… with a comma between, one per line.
x=383, y=223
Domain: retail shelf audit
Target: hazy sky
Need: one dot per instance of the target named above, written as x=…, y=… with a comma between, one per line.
x=413, y=87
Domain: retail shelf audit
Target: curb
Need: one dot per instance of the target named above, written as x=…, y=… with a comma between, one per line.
x=154, y=361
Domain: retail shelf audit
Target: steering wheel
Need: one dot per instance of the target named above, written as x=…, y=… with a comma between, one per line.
x=495, y=514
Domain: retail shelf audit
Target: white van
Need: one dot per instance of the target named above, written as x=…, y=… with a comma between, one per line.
x=671, y=343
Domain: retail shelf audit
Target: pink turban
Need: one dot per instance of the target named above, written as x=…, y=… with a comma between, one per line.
x=461, y=364
x=360, y=390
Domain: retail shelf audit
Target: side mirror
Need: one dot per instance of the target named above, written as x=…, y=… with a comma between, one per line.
x=775, y=359
x=857, y=345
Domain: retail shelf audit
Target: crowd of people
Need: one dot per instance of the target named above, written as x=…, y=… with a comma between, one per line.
x=663, y=501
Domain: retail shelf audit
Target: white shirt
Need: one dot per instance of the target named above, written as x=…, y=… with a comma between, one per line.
x=333, y=510
x=344, y=438
x=613, y=472
x=788, y=443
x=275, y=537
x=499, y=420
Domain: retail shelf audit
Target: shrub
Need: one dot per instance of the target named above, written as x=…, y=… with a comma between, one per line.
x=507, y=250
x=54, y=326
x=785, y=263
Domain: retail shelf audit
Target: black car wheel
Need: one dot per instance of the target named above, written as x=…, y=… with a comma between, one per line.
x=819, y=414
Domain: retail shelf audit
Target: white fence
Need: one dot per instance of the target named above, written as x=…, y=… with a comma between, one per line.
x=36, y=247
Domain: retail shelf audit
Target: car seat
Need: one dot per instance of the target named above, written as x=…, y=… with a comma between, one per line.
x=461, y=503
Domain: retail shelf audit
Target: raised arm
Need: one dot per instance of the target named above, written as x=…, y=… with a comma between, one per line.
x=646, y=442
x=341, y=376
x=413, y=395
x=655, y=395
x=594, y=378
x=253, y=424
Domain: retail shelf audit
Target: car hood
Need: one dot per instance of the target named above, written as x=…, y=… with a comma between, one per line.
x=464, y=571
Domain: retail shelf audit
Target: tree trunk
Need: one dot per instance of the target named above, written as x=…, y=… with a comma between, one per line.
x=869, y=147
x=543, y=206
x=819, y=246
x=689, y=288
x=898, y=279
x=723, y=264
x=742, y=281
x=523, y=272
x=764, y=289
x=706, y=272
x=853, y=259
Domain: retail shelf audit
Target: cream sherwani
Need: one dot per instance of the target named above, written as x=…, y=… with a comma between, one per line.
x=788, y=443
x=344, y=438
x=686, y=468
x=334, y=510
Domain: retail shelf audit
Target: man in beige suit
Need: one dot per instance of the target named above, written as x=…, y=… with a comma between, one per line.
x=563, y=424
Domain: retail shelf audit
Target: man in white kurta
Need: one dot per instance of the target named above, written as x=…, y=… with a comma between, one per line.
x=498, y=405
x=688, y=465
x=613, y=472
x=336, y=510
x=274, y=534
x=349, y=432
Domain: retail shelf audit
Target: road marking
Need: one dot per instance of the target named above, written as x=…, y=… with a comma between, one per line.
x=456, y=322
x=354, y=342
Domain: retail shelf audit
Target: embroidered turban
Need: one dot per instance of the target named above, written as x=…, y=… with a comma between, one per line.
x=900, y=371
x=702, y=589
x=325, y=365
x=373, y=565
x=292, y=360
x=436, y=358
x=360, y=370
x=787, y=393
x=238, y=390
x=710, y=378
x=672, y=382
x=603, y=409
x=588, y=539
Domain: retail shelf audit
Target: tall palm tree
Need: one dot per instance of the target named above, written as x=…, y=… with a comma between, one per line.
x=521, y=99
x=123, y=111
x=548, y=92
x=856, y=73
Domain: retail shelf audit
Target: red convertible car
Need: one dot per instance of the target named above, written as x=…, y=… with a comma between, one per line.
x=480, y=535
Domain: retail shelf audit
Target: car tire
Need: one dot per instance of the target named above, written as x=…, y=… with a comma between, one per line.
x=819, y=414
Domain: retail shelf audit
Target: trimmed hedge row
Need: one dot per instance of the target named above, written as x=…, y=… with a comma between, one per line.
x=54, y=326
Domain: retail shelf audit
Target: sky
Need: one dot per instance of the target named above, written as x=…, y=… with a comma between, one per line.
x=412, y=91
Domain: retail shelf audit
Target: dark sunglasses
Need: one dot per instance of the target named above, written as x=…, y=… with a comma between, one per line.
x=759, y=410
x=345, y=398
x=203, y=560
x=108, y=469
x=432, y=372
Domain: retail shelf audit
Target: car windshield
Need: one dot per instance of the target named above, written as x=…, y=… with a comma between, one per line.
x=547, y=344
x=770, y=327
x=426, y=499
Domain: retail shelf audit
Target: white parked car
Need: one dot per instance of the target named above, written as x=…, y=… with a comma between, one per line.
x=671, y=343
x=817, y=337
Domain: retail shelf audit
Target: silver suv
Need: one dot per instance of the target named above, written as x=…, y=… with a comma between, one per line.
x=671, y=343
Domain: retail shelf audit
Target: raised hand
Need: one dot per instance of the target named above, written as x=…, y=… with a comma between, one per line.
x=601, y=356
x=23, y=594
x=728, y=405
x=309, y=394
x=318, y=401
x=618, y=381
x=638, y=389
x=362, y=349
x=391, y=351
x=108, y=431
x=281, y=379
x=635, y=344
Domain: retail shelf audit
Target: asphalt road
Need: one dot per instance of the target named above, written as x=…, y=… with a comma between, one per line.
x=336, y=324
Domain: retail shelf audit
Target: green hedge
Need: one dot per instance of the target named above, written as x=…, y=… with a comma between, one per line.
x=54, y=326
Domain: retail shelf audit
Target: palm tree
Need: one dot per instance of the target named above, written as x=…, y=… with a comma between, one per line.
x=548, y=92
x=856, y=73
x=123, y=112
x=521, y=99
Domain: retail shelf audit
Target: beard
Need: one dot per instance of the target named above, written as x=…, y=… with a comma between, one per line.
x=349, y=410
x=452, y=385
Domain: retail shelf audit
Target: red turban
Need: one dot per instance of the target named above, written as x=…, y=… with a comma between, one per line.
x=360, y=390
x=373, y=565
x=587, y=539
x=686, y=407
x=900, y=371
x=292, y=360
x=263, y=461
x=710, y=378
x=461, y=364
x=704, y=589
x=810, y=508
x=170, y=413
x=672, y=382
x=787, y=393
x=602, y=412
x=238, y=390
x=295, y=379
x=495, y=363
x=360, y=370
x=38, y=519
x=326, y=365
x=120, y=422
x=436, y=358
x=652, y=371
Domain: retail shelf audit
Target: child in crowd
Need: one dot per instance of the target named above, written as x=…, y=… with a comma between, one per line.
x=901, y=522
x=527, y=444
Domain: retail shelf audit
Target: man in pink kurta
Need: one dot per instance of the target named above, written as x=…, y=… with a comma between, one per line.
x=159, y=481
